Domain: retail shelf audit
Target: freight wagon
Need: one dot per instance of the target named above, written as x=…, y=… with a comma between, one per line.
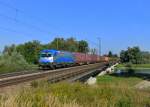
x=55, y=58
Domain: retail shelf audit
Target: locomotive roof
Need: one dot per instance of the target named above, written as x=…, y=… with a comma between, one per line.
x=49, y=50
x=53, y=51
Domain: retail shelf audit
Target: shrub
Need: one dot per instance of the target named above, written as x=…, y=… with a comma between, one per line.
x=13, y=62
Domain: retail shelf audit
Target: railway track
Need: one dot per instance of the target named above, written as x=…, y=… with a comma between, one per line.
x=23, y=73
x=17, y=73
x=51, y=75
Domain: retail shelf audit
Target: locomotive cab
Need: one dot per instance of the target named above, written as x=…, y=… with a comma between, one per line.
x=46, y=60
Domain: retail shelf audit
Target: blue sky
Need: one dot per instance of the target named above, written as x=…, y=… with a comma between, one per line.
x=119, y=23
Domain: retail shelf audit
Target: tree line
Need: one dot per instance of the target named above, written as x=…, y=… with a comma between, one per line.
x=30, y=50
x=134, y=55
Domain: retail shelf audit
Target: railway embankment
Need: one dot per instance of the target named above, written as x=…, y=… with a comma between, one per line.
x=52, y=75
x=109, y=70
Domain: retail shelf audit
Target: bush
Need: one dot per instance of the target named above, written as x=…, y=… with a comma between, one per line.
x=13, y=62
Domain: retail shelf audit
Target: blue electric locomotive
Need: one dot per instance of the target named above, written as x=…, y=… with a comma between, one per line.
x=55, y=58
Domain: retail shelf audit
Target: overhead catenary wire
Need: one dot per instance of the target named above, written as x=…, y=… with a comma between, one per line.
x=15, y=31
x=19, y=11
x=26, y=23
x=7, y=5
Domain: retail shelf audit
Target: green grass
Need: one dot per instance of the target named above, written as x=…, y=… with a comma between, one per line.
x=105, y=94
x=134, y=66
x=112, y=80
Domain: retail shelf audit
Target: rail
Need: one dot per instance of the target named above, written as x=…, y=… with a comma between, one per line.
x=52, y=75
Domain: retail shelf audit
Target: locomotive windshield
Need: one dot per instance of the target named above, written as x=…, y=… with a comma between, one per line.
x=46, y=55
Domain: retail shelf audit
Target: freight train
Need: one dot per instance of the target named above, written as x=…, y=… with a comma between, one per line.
x=55, y=58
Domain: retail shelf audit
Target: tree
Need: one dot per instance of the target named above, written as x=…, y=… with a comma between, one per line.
x=57, y=43
x=9, y=49
x=110, y=54
x=124, y=56
x=30, y=51
x=71, y=45
x=145, y=57
x=132, y=55
x=83, y=46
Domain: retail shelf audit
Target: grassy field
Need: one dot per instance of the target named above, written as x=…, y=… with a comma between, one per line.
x=112, y=80
x=134, y=66
x=108, y=92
